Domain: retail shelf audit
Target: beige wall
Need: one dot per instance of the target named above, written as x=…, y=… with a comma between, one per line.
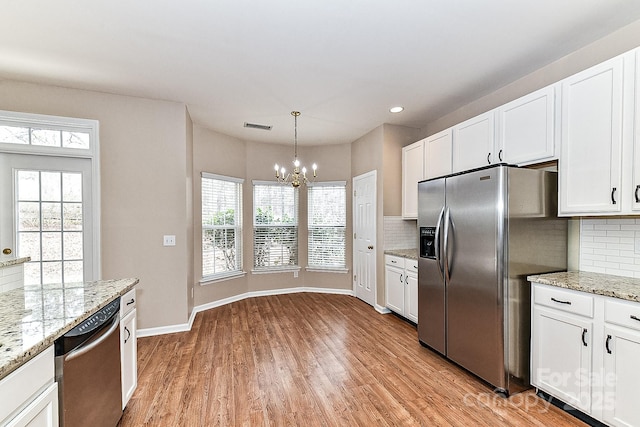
x=225, y=155
x=614, y=44
x=381, y=150
x=143, y=171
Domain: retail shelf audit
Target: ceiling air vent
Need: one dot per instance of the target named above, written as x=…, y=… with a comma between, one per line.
x=257, y=126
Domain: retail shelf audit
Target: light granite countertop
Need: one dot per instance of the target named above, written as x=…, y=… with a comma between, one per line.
x=626, y=288
x=13, y=261
x=33, y=317
x=405, y=253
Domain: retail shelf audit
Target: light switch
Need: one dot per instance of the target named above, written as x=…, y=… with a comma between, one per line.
x=169, y=240
x=637, y=246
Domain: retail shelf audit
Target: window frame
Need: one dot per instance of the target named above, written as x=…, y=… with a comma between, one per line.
x=236, y=227
x=311, y=225
x=296, y=227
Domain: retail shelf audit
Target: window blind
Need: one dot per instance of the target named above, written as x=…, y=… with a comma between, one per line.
x=275, y=226
x=327, y=210
x=221, y=225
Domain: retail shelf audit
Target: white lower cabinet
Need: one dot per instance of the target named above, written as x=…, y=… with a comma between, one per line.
x=401, y=286
x=561, y=359
x=29, y=395
x=621, y=400
x=585, y=351
x=128, y=346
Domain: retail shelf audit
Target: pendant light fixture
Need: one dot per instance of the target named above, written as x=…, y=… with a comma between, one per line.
x=298, y=176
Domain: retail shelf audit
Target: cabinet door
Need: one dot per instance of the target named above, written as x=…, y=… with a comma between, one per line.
x=128, y=356
x=635, y=189
x=412, y=173
x=437, y=154
x=590, y=162
x=42, y=412
x=411, y=296
x=561, y=356
x=473, y=143
x=394, y=280
x=526, y=128
x=621, y=400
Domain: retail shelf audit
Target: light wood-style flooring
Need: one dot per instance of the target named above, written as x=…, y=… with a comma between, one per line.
x=313, y=360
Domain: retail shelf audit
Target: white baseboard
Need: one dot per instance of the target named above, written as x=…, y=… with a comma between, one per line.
x=382, y=310
x=184, y=327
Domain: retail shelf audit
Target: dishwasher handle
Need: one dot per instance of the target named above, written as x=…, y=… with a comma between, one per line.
x=99, y=339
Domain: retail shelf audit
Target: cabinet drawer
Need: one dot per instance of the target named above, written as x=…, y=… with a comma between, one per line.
x=411, y=265
x=127, y=302
x=395, y=261
x=23, y=384
x=564, y=299
x=622, y=313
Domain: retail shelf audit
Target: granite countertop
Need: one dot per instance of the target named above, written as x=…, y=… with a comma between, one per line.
x=626, y=288
x=33, y=317
x=404, y=253
x=13, y=261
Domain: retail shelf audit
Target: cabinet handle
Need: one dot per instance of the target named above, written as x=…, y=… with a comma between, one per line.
x=401, y=279
x=406, y=280
x=394, y=261
x=635, y=318
x=606, y=344
x=131, y=302
x=489, y=158
x=584, y=334
x=128, y=334
x=636, y=194
x=613, y=195
x=500, y=155
x=560, y=301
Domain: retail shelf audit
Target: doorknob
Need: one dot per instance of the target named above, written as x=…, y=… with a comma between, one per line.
x=6, y=251
x=370, y=247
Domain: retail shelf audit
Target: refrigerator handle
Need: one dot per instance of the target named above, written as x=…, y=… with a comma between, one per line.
x=437, y=243
x=447, y=221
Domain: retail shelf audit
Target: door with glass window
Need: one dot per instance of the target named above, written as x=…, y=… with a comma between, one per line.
x=45, y=214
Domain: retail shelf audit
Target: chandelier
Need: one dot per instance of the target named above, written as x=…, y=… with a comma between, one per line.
x=298, y=176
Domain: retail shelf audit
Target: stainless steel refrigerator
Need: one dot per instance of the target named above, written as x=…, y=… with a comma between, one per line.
x=481, y=234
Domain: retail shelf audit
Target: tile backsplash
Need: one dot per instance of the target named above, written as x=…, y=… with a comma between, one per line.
x=609, y=246
x=400, y=233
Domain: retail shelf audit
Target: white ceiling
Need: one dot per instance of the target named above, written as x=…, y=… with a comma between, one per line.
x=342, y=63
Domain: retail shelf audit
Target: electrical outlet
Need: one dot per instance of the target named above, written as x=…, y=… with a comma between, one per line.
x=169, y=240
x=637, y=246
x=295, y=274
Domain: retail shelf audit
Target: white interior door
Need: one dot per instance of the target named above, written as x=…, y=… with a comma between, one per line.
x=46, y=214
x=364, y=226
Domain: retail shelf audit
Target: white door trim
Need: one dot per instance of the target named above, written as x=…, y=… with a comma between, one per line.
x=12, y=118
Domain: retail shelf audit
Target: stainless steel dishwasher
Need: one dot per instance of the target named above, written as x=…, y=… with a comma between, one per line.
x=88, y=371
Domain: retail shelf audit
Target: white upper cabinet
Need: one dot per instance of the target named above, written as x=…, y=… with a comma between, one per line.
x=473, y=142
x=592, y=139
x=437, y=154
x=412, y=173
x=634, y=188
x=526, y=128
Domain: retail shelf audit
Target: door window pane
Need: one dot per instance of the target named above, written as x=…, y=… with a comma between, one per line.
x=50, y=186
x=28, y=216
x=28, y=185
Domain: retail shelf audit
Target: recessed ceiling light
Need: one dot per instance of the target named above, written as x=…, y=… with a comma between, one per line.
x=396, y=109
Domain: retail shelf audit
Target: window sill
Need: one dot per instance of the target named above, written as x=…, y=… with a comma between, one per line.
x=293, y=269
x=327, y=270
x=211, y=280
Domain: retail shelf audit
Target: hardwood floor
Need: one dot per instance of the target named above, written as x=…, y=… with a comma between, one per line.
x=313, y=360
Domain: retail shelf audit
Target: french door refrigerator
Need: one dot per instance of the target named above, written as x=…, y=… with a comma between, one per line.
x=481, y=234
